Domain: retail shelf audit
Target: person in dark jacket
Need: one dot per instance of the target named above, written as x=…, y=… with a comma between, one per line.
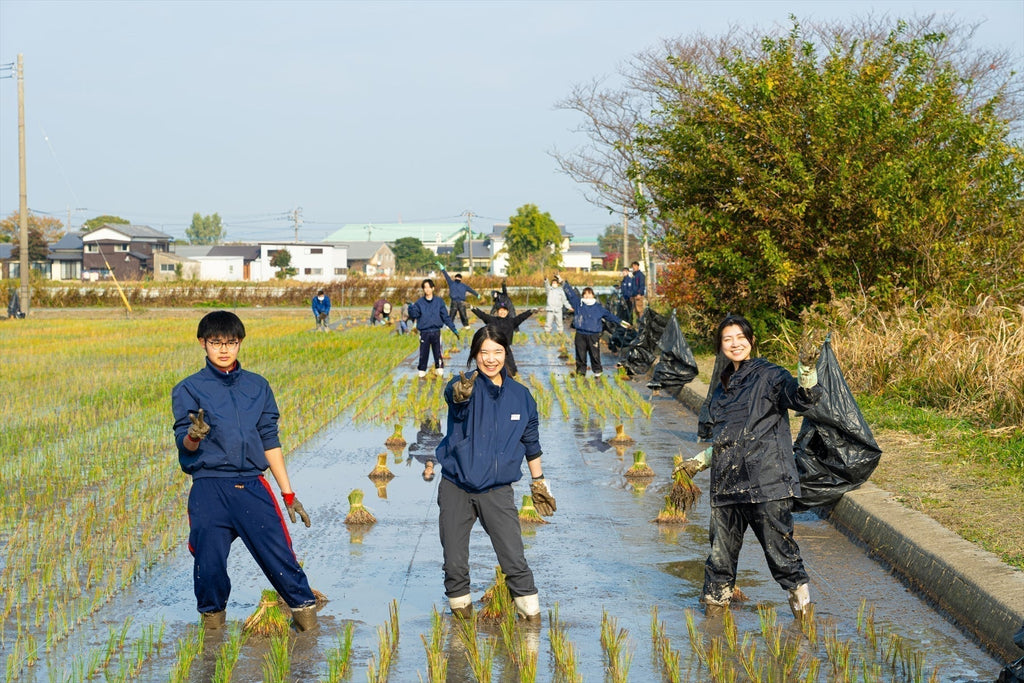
x=457, y=291
x=754, y=478
x=588, y=326
x=322, y=311
x=380, y=314
x=639, y=290
x=627, y=290
x=430, y=315
x=501, y=296
x=225, y=429
x=492, y=426
x=508, y=326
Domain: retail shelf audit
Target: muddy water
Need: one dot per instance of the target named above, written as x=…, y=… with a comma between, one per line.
x=601, y=553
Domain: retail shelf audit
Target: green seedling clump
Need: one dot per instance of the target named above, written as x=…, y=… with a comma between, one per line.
x=640, y=468
x=396, y=438
x=268, y=619
x=528, y=513
x=381, y=471
x=357, y=514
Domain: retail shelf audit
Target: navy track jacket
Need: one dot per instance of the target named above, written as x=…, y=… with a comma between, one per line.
x=588, y=318
x=431, y=315
x=489, y=435
x=240, y=408
x=457, y=290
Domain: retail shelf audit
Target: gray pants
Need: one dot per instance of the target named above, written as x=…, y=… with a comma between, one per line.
x=554, y=321
x=497, y=513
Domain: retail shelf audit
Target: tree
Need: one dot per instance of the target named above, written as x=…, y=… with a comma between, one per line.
x=411, y=256
x=797, y=171
x=96, y=222
x=610, y=244
x=532, y=241
x=282, y=260
x=48, y=228
x=37, y=249
x=205, y=230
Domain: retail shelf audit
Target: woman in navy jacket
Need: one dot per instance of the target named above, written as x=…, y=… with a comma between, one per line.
x=492, y=427
x=589, y=325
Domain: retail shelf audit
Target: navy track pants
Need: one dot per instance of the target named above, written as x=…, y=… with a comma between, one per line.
x=223, y=509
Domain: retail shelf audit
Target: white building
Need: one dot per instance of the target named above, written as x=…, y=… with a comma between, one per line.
x=312, y=261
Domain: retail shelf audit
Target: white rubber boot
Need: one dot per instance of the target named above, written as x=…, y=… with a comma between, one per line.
x=462, y=606
x=800, y=601
x=528, y=607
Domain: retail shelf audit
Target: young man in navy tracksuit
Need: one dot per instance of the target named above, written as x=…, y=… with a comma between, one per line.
x=639, y=289
x=587, y=322
x=457, y=291
x=492, y=428
x=321, y=311
x=430, y=315
x=225, y=428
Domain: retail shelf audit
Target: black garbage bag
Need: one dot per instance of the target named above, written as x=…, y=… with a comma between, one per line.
x=641, y=353
x=676, y=366
x=835, y=450
x=704, y=418
x=620, y=337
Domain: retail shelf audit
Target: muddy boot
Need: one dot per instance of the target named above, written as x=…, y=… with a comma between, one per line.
x=304, y=618
x=714, y=610
x=462, y=606
x=528, y=608
x=213, y=620
x=800, y=602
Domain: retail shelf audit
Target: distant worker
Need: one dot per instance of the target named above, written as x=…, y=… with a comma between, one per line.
x=381, y=312
x=430, y=315
x=639, y=289
x=457, y=291
x=556, y=303
x=589, y=325
x=627, y=291
x=402, y=319
x=322, y=311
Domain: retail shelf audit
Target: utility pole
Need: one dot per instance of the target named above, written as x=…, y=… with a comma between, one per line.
x=469, y=238
x=297, y=219
x=625, y=238
x=22, y=191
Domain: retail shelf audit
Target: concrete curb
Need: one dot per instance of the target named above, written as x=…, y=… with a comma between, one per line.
x=983, y=596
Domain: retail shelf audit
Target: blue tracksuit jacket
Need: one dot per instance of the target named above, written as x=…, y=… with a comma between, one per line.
x=457, y=290
x=430, y=315
x=489, y=435
x=321, y=306
x=240, y=408
x=587, y=319
x=640, y=283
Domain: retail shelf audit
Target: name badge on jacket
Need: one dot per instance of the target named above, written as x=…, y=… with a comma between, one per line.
x=515, y=417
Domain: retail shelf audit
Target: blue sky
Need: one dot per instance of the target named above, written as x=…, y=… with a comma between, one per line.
x=357, y=112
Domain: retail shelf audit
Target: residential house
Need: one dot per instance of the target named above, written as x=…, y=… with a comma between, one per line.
x=223, y=263
x=312, y=261
x=66, y=257
x=572, y=259
x=434, y=236
x=122, y=251
x=371, y=258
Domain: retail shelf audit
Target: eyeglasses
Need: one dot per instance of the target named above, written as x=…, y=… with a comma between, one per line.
x=231, y=344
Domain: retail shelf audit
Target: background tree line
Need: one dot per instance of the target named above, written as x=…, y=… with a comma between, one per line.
x=782, y=170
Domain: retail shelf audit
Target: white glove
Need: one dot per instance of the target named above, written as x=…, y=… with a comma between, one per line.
x=697, y=463
x=806, y=375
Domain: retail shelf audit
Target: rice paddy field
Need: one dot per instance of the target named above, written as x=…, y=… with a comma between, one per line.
x=95, y=578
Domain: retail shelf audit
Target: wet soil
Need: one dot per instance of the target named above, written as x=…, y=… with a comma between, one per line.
x=600, y=553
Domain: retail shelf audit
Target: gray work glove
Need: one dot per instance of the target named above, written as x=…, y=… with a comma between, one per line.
x=295, y=508
x=323, y=317
x=697, y=463
x=463, y=389
x=807, y=366
x=625, y=324
x=199, y=428
x=542, y=498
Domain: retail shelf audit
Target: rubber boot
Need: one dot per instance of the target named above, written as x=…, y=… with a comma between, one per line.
x=714, y=610
x=462, y=606
x=304, y=618
x=213, y=620
x=528, y=608
x=800, y=602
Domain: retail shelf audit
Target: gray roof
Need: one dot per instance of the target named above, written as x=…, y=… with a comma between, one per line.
x=592, y=247
x=140, y=231
x=480, y=249
x=248, y=252
x=498, y=230
x=6, y=249
x=72, y=240
x=192, y=251
x=363, y=251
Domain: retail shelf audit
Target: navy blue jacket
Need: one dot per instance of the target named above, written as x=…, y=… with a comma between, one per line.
x=457, y=289
x=489, y=435
x=240, y=408
x=430, y=315
x=587, y=319
x=640, y=283
x=321, y=306
x=627, y=290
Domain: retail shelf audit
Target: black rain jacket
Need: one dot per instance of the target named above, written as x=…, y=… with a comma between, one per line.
x=752, y=459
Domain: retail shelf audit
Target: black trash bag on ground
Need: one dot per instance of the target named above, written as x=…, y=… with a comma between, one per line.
x=620, y=337
x=704, y=418
x=676, y=366
x=640, y=354
x=835, y=450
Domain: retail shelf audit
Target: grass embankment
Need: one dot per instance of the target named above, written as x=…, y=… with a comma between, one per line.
x=942, y=388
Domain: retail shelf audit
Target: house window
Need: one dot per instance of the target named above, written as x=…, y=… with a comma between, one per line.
x=231, y=269
x=166, y=267
x=92, y=248
x=120, y=247
x=340, y=271
x=313, y=271
x=315, y=250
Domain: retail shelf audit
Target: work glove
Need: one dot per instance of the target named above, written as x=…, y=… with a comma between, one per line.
x=295, y=508
x=807, y=366
x=439, y=265
x=625, y=324
x=542, y=498
x=199, y=428
x=463, y=389
x=698, y=463
x=323, y=317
